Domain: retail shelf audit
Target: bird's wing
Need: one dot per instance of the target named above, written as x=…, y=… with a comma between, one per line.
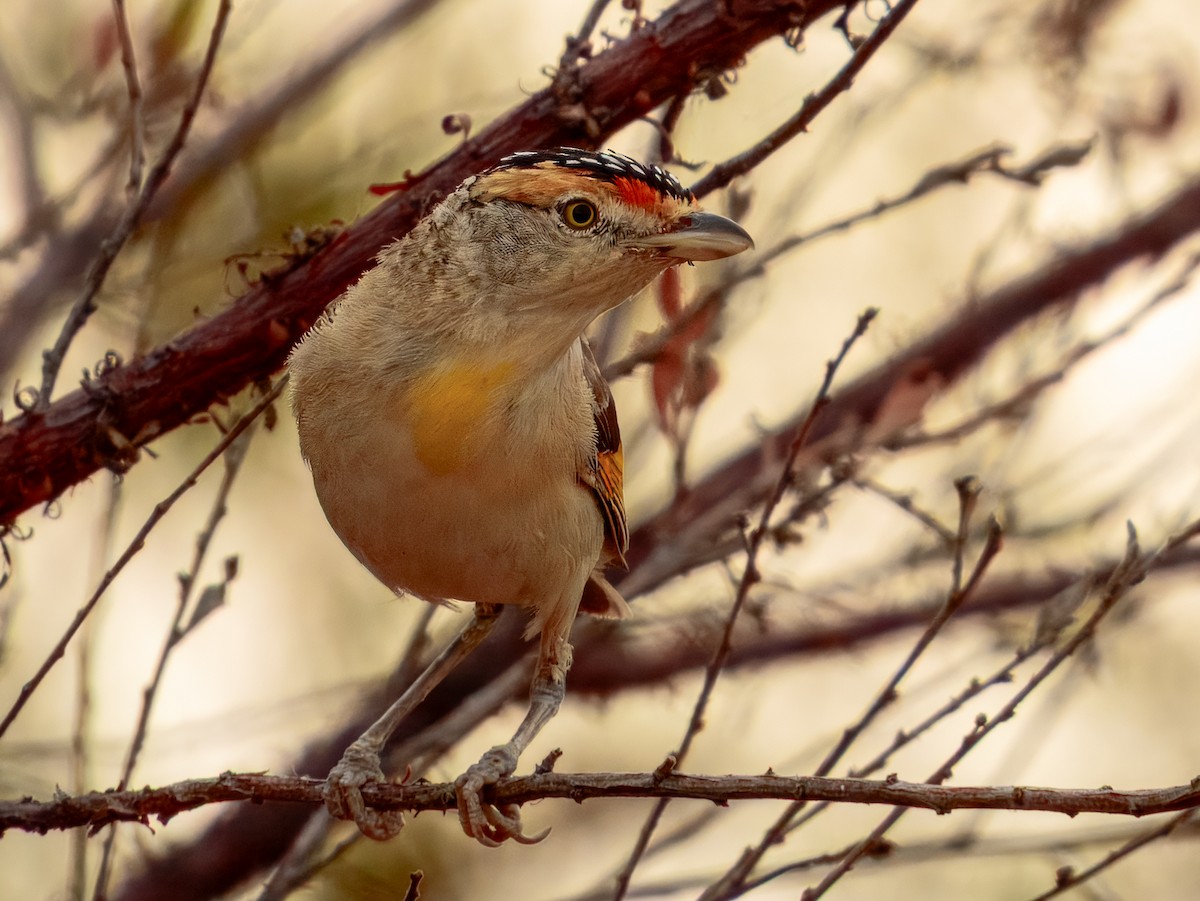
x=604, y=473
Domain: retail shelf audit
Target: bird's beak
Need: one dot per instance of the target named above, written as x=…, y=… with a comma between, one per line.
x=699, y=236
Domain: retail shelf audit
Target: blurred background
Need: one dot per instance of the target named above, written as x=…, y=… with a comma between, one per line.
x=1079, y=420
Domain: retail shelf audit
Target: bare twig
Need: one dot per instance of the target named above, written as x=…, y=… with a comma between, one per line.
x=177, y=631
x=85, y=305
x=989, y=161
x=102, y=548
x=750, y=577
x=579, y=46
x=160, y=510
x=1131, y=571
x=1066, y=878
x=906, y=503
x=905, y=737
x=100, y=808
x=733, y=882
x=723, y=173
x=133, y=84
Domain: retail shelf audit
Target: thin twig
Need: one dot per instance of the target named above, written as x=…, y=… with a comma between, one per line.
x=85, y=304
x=1067, y=879
x=160, y=510
x=750, y=577
x=1131, y=571
x=133, y=84
x=579, y=46
x=723, y=173
x=733, y=883
x=234, y=457
x=905, y=737
x=80, y=729
x=958, y=172
x=1024, y=396
x=906, y=503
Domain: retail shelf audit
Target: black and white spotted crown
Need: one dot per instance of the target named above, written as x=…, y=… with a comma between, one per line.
x=604, y=164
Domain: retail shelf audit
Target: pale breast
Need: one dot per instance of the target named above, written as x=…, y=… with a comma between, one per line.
x=467, y=489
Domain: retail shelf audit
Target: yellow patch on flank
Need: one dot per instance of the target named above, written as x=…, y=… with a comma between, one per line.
x=448, y=410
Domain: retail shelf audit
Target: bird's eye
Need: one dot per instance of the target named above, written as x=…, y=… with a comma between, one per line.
x=579, y=214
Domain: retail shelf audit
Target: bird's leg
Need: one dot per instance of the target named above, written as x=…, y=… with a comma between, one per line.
x=487, y=823
x=361, y=764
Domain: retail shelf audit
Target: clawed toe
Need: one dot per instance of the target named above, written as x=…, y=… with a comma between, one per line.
x=489, y=824
x=344, y=800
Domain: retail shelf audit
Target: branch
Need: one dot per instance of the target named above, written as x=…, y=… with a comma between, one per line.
x=69, y=248
x=237, y=844
x=85, y=305
x=722, y=174
x=101, y=808
x=711, y=505
x=751, y=576
x=160, y=510
x=43, y=454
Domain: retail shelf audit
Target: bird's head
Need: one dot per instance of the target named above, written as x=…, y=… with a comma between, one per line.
x=581, y=231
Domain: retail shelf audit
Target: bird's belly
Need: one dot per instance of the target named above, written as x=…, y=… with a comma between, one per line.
x=493, y=531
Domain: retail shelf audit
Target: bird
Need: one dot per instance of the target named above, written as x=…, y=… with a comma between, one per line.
x=462, y=440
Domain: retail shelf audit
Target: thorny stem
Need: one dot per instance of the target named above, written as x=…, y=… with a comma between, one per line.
x=160, y=510
x=85, y=304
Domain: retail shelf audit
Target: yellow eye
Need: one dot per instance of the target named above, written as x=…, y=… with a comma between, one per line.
x=579, y=214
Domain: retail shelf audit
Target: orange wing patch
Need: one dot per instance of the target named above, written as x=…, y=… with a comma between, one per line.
x=610, y=492
x=604, y=474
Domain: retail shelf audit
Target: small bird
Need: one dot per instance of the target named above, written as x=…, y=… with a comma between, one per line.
x=463, y=442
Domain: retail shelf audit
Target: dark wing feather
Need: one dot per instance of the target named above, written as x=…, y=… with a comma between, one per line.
x=604, y=474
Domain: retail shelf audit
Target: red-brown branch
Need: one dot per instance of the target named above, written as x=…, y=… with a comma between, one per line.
x=43, y=454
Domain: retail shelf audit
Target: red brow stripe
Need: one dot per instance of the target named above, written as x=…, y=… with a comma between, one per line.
x=637, y=193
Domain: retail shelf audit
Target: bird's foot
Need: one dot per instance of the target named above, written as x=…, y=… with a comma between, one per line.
x=343, y=794
x=489, y=824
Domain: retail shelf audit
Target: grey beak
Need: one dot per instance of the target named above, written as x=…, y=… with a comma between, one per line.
x=698, y=237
